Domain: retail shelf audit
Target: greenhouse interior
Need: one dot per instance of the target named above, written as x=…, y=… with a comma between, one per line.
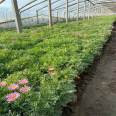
x=57, y=57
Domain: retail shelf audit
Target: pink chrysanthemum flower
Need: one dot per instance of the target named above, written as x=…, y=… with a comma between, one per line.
x=3, y=84
x=25, y=89
x=12, y=97
x=23, y=81
x=13, y=87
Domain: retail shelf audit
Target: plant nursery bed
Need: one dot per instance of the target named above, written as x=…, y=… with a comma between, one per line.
x=38, y=66
x=96, y=88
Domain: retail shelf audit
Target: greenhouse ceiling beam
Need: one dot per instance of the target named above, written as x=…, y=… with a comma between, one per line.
x=55, y=2
x=46, y=6
x=112, y=8
x=60, y=6
x=33, y=6
x=81, y=8
x=39, y=4
x=76, y=9
x=75, y=4
x=81, y=2
x=105, y=2
x=42, y=8
x=72, y=10
x=72, y=4
x=107, y=5
x=58, y=9
x=91, y=2
x=27, y=4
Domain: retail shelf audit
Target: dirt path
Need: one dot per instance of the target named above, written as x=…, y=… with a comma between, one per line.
x=99, y=97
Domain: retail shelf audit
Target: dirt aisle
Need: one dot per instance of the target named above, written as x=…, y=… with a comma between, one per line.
x=99, y=98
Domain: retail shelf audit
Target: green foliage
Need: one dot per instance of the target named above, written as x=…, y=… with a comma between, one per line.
x=66, y=48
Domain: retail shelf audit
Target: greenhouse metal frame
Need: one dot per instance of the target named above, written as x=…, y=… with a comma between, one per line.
x=87, y=9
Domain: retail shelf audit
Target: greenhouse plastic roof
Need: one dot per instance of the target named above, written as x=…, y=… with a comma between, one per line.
x=111, y=4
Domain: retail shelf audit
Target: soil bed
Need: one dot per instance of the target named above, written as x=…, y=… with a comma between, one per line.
x=96, y=90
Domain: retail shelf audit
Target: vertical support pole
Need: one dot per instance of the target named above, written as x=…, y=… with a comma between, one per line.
x=64, y=15
x=93, y=11
x=90, y=10
x=85, y=8
x=50, y=13
x=69, y=16
x=17, y=16
x=73, y=17
x=101, y=11
x=96, y=10
x=84, y=13
x=77, y=9
x=89, y=7
x=57, y=16
x=37, y=16
x=66, y=11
